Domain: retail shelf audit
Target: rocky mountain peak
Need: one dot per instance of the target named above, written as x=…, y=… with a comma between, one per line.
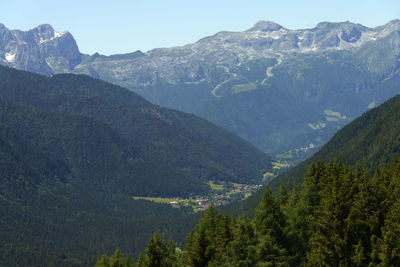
x=392, y=25
x=41, y=50
x=395, y=22
x=266, y=26
x=337, y=25
x=44, y=28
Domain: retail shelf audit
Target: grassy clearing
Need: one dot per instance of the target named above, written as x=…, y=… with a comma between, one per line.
x=288, y=155
x=332, y=119
x=240, y=88
x=328, y=112
x=278, y=165
x=372, y=105
x=267, y=177
x=215, y=186
x=333, y=115
x=157, y=199
x=175, y=202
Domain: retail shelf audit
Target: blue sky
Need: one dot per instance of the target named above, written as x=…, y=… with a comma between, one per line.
x=121, y=26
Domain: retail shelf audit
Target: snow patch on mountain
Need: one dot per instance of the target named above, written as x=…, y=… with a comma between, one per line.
x=56, y=35
x=10, y=57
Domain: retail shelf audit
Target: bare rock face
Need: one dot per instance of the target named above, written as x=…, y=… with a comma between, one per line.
x=42, y=50
x=266, y=26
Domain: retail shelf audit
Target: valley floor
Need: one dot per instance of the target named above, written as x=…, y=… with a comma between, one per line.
x=222, y=193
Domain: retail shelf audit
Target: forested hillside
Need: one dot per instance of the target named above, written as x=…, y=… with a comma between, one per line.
x=184, y=142
x=75, y=151
x=51, y=217
x=371, y=140
x=342, y=217
x=96, y=154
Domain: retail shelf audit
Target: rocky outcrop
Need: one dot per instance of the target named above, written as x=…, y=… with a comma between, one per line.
x=42, y=50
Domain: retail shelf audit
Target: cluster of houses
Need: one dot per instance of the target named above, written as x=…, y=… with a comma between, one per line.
x=310, y=146
x=200, y=203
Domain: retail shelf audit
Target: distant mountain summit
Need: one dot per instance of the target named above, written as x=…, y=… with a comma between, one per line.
x=42, y=50
x=266, y=26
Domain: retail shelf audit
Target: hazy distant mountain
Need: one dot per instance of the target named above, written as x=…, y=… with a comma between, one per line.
x=286, y=91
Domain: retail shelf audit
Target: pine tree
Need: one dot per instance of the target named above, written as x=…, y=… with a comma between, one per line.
x=158, y=253
x=329, y=243
x=242, y=250
x=269, y=223
x=201, y=246
x=389, y=252
x=223, y=236
x=103, y=261
x=299, y=226
x=362, y=221
x=313, y=183
x=283, y=195
x=270, y=253
x=269, y=219
x=116, y=260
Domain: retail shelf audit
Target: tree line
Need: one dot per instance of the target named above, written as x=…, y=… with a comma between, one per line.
x=341, y=216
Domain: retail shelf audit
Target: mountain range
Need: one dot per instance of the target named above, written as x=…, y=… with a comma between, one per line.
x=286, y=91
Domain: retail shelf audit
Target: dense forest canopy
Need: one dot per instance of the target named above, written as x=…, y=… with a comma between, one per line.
x=342, y=217
x=76, y=150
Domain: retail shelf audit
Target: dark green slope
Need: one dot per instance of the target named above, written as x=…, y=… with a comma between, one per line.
x=96, y=154
x=371, y=140
x=74, y=151
x=23, y=166
x=181, y=141
x=66, y=185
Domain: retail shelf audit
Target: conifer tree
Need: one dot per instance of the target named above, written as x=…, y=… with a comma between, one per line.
x=299, y=226
x=269, y=219
x=269, y=223
x=158, y=253
x=270, y=253
x=283, y=195
x=313, y=183
x=116, y=260
x=201, y=246
x=242, y=250
x=390, y=246
x=362, y=221
x=103, y=261
x=329, y=244
x=223, y=236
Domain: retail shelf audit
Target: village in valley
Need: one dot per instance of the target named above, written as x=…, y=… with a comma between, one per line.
x=222, y=193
